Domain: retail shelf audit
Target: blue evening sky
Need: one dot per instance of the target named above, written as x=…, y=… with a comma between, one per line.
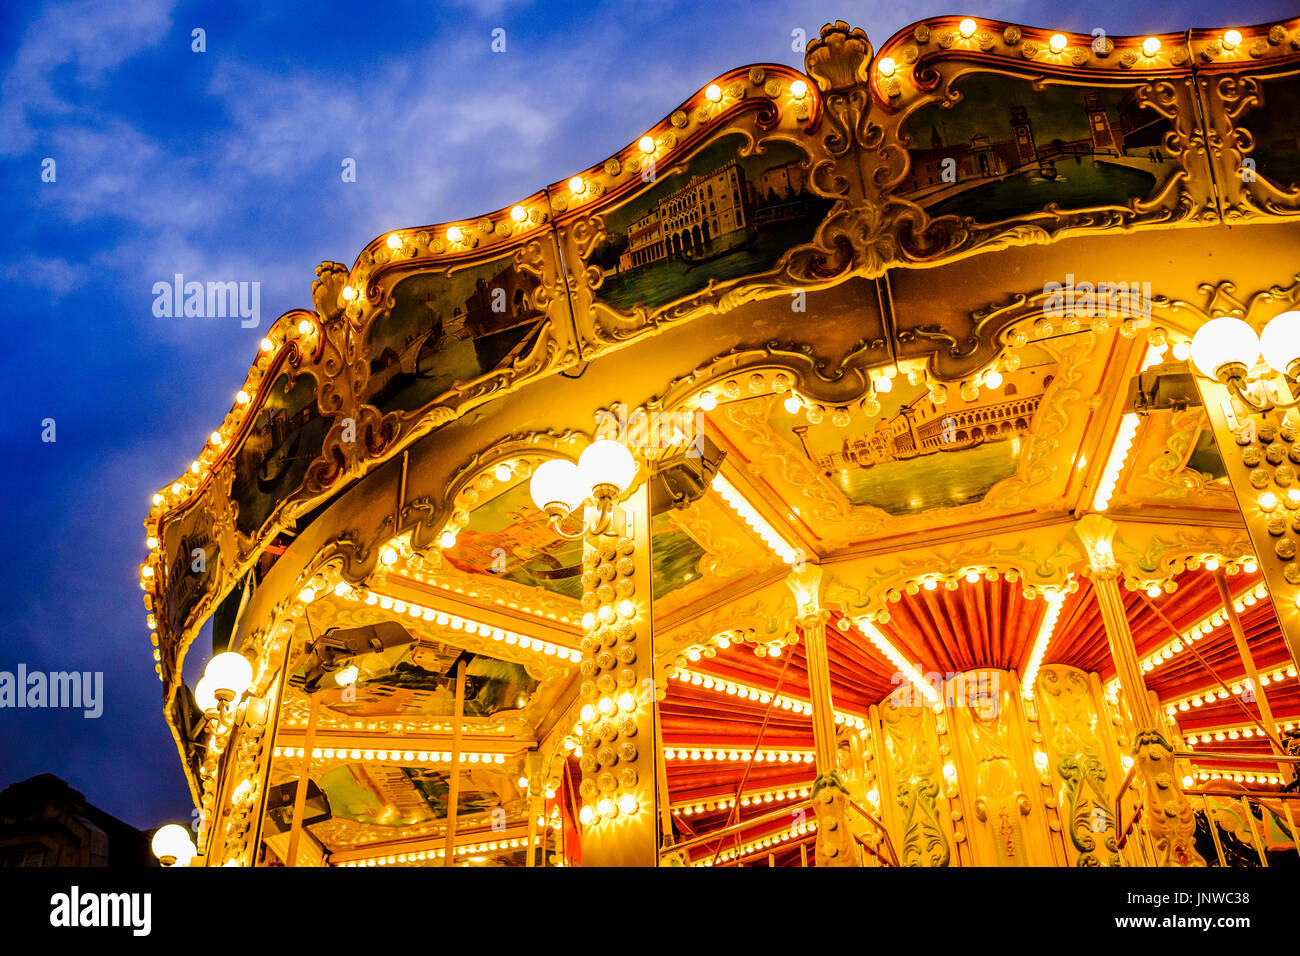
x=225, y=165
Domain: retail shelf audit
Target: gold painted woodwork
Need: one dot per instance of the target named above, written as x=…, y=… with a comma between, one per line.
x=1085, y=782
x=1006, y=825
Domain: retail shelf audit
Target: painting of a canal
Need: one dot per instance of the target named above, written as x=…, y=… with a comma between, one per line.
x=286, y=438
x=1007, y=150
x=445, y=329
x=720, y=216
x=918, y=455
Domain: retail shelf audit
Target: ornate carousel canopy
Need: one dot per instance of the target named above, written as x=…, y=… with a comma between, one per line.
x=907, y=514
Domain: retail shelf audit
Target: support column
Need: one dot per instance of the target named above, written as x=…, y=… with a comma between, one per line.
x=1169, y=816
x=835, y=845
x=620, y=812
x=1259, y=453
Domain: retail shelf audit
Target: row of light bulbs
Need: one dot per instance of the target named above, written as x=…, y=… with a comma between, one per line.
x=217, y=440
x=647, y=146
x=398, y=859
x=746, y=800
x=741, y=506
x=1236, y=732
x=473, y=593
x=407, y=757
x=1236, y=776
x=1119, y=452
x=1218, y=693
x=759, y=845
x=1058, y=42
x=896, y=658
x=1202, y=628
x=759, y=695
x=607, y=808
x=1211, y=563
x=444, y=619
x=727, y=755
x=1046, y=628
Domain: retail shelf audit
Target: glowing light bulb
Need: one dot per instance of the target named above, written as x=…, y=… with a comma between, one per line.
x=887, y=66
x=627, y=803
x=646, y=144
x=707, y=401
x=713, y=92
x=967, y=27
x=394, y=241
x=503, y=473
x=792, y=404
x=577, y=186
x=454, y=234
x=1232, y=39
x=1057, y=42
x=993, y=378
x=518, y=213
x=1151, y=45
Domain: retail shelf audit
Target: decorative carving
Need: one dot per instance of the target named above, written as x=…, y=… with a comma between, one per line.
x=835, y=844
x=912, y=755
x=1069, y=716
x=1169, y=816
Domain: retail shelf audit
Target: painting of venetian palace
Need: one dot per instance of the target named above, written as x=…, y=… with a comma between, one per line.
x=1005, y=149
x=722, y=215
x=918, y=455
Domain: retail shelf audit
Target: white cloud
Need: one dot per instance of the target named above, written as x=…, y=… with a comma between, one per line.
x=90, y=36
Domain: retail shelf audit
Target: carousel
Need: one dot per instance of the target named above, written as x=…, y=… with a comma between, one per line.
x=893, y=463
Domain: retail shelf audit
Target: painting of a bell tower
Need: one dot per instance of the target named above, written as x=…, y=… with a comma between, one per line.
x=1023, y=133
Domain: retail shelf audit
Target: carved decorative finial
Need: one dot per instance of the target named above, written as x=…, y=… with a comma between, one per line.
x=331, y=277
x=840, y=58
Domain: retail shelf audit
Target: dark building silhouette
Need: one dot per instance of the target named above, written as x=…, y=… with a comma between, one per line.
x=44, y=822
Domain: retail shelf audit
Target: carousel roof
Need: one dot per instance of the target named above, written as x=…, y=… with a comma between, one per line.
x=782, y=271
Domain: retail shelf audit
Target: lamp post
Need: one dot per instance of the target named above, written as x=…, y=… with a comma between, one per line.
x=220, y=692
x=599, y=501
x=1253, y=415
x=586, y=493
x=172, y=845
